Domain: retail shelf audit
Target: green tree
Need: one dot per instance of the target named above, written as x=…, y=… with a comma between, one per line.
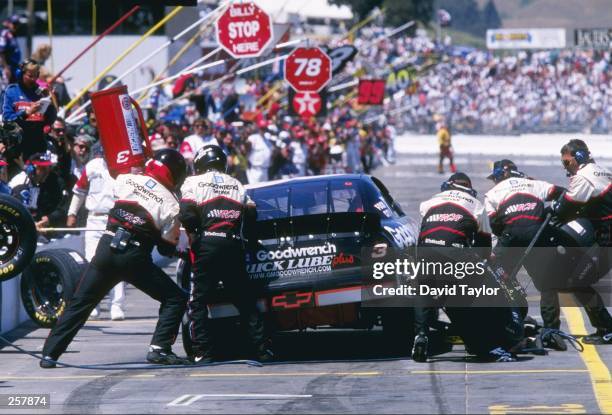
x=490, y=16
x=465, y=15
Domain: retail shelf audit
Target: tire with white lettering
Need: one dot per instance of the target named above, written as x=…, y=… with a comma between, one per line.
x=183, y=275
x=17, y=237
x=49, y=282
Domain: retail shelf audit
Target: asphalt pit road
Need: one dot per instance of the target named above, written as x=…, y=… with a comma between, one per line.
x=186, y=400
x=319, y=345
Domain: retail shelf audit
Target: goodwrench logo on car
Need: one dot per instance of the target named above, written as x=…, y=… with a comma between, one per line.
x=292, y=261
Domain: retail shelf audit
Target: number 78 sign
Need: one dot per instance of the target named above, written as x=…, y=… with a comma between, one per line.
x=308, y=69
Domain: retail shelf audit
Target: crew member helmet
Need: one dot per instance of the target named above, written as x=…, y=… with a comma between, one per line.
x=169, y=167
x=210, y=157
x=502, y=169
x=459, y=181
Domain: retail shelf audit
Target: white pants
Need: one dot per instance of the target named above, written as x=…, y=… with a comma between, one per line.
x=91, y=243
x=257, y=174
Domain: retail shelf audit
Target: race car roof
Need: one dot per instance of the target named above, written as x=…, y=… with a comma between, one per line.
x=307, y=179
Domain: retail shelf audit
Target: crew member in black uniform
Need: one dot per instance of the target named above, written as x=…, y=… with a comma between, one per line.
x=213, y=208
x=589, y=196
x=516, y=209
x=144, y=215
x=455, y=227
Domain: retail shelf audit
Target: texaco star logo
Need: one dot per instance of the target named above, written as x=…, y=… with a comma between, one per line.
x=307, y=103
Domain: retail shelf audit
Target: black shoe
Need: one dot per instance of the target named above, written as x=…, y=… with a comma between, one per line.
x=530, y=326
x=552, y=339
x=599, y=337
x=201, y=359
x=165, y=357
x=419, y=349
x=46, y=363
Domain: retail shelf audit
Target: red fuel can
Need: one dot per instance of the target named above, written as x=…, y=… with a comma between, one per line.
x=121, y=134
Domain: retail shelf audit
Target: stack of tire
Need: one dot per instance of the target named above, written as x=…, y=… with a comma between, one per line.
x=17, y=237
x=49, y=277
x=49, y=282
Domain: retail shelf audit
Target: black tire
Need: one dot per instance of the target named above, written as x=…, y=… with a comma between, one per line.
x=49, y=283
x=398, y=329
x=183, y=275
x=17, y=237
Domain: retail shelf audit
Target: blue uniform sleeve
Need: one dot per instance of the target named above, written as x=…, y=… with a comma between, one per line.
x=8, y=107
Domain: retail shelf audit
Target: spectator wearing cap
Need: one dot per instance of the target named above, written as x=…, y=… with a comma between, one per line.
x=10, y=53
x=30, y=106
x=39, y=189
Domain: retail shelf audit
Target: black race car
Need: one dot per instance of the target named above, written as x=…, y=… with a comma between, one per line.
x=304, y=252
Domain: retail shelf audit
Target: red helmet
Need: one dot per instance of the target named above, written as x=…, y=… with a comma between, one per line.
x=168, y=167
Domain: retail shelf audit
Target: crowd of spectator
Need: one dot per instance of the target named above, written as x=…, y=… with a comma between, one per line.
x=473, y=91
x=481, y=92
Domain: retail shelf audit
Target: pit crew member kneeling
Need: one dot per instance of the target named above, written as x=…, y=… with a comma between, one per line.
x=144, y=215
x=454, y=224
x=516, y=209
x=213, y=207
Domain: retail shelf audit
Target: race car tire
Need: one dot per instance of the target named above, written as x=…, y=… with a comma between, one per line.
x=398, y=329
x=49, y=282
x=17, y=237
x=183, y=275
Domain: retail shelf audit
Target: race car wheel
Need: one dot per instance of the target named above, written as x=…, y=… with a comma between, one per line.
x=183, y=274
x=17, y=237
x=398, y=329
x=48, y=283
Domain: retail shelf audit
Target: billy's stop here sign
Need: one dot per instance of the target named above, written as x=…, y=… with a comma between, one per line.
x=244, y=30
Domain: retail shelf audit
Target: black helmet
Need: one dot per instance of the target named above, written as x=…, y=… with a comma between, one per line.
x=459, y=181
x=210, y=157
x=503, y=169
x=175, y=162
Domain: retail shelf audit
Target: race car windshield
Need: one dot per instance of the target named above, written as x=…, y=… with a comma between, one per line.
x=304, y=199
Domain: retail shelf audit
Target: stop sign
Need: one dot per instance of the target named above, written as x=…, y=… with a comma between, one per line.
x=308, y=69
x=244, y=30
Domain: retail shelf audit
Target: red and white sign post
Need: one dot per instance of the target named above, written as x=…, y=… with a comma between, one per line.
x=244, y=30
x=308, y=69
